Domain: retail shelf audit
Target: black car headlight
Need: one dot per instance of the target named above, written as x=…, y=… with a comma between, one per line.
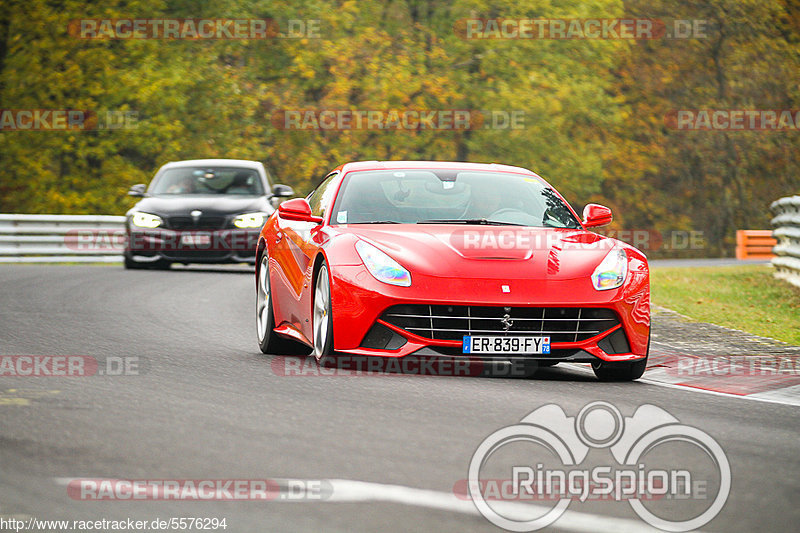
x=145, y=220
x=250, y=220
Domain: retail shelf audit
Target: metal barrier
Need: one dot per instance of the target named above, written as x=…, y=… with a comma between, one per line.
x=61, y=238
x=786, y=230
x=754, y=244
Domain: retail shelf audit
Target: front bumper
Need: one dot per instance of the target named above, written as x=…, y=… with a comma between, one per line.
x=360, y=304
x=192, y=246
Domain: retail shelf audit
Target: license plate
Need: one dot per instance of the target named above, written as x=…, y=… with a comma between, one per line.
x=509, y=344
x=194, y=239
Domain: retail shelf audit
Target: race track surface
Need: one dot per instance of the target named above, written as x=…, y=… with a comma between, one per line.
x=206, y=404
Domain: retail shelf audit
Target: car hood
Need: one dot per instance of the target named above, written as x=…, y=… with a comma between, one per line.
x=209, y=205
x=489, y=252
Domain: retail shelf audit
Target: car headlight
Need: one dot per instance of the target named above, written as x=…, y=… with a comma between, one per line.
x=146, y=220
x=611, y=271
x=381, y=266
x=250, y=220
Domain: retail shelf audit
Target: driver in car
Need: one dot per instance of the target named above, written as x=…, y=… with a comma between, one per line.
x=184, y=185
x=483, y=203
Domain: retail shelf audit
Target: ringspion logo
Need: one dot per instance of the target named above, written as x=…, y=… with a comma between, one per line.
x=542, y=458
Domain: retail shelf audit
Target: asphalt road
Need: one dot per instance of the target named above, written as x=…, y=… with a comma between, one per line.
x=206, y=404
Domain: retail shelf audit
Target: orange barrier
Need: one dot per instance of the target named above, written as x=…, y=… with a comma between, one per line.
x=754, y=244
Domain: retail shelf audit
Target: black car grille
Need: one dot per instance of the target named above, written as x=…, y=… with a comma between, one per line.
x=201, y=223
x=452, y=322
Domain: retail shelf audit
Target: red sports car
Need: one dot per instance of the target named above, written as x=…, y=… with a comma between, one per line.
x=478, y=262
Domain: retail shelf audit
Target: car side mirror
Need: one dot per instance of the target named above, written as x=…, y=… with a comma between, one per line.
x=297, y=209
x=596, y=215
x=282, y=191
x=137, y=190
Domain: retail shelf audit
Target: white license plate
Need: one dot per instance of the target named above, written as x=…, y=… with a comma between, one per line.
x=194, y=239
x=508, y=344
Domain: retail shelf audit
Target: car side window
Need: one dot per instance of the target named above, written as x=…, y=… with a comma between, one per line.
x=320, y=198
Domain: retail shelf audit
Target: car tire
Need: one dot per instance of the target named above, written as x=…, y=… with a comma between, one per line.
x=268, y=341
x=619, y=371
x=622, y=371
x=130, y=264
x=322, y=318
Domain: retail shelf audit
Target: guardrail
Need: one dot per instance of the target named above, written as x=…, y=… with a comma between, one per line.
x=754, y=244
x=60, y=238
x=786, y=230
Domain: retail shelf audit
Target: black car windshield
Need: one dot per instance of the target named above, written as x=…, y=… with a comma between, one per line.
x=449, y=197
x=204, y=180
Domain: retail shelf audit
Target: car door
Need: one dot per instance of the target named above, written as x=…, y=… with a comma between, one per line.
x=298, y=247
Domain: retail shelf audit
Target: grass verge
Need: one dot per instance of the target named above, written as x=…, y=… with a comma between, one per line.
x=747, y=298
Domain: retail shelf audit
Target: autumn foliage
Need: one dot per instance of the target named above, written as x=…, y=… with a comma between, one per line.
x=597, y=114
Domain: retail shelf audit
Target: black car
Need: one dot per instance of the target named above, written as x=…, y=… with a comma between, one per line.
x=200, y=211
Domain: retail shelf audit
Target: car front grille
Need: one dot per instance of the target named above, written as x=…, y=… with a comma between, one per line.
x=452, y=322
x=202, y=223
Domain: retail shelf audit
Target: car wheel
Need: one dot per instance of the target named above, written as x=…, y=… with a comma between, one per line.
x=268, y=340
x=622, y=371
x=130, y=264
x=161, y=264
x=619, y=371
x=323, y=320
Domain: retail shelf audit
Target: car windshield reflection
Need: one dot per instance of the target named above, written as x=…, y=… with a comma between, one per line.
x=208, y=181
x=450, y=197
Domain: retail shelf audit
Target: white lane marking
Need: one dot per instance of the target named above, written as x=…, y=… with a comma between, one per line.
x=788, y=395
x=784, y=396
x=757, y=397
x=348, y=490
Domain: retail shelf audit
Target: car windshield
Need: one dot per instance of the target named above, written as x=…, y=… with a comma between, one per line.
x=449, y=197
x=204, y=180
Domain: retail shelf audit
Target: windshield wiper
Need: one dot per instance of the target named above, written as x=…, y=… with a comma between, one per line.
x=377, y=222
x=478, y=221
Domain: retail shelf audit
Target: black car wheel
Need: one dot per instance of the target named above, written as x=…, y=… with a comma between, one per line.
x=323, y=320
x=268, y=341
x=622, y=371
x=130, y=264
x=619, y=371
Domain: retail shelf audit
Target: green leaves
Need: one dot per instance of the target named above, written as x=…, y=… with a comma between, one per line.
x=592, y=110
